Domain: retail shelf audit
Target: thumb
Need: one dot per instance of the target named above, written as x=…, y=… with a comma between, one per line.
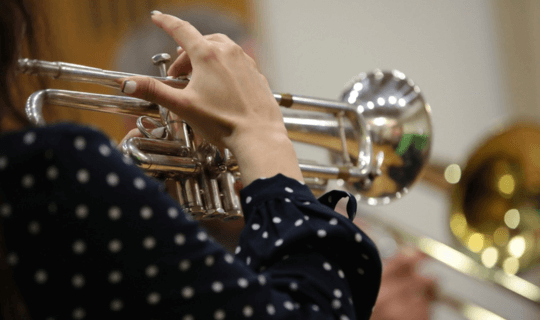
x=155, y=91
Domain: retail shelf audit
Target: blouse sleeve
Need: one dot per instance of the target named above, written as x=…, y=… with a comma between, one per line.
x=89, y=236
x=315, y=254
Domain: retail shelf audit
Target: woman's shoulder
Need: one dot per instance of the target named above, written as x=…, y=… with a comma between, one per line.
x=30, y=134
x=60, y=136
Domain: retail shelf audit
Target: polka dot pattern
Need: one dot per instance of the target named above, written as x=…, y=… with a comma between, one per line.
x=117, y=305
x=115, y=246
x=81, y=211
x=217, y=286
x=243, y=283
x=79, y=143
x=229, y=258
x=139, y=183
x=41, y=276
x=125, y=232
x=149, y=243
x=146, y=212
x=83, y=176
x=115, y=277
x=79, y=313
x=52, y=173
x=3, y=162
x=173, y=213
x=29, y=138
x=78, y=281
x=247, y=311
x=5, y=210
x=270, y=309
x=188, y=292
x=27, y=181
x=112, y=179
x=115, y=213
x=153, y=298
x=104, y=150
x=219, y=314
x=151, y=271
x=184, y=265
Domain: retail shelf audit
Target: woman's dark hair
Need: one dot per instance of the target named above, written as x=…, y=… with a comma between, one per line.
x=17, y=34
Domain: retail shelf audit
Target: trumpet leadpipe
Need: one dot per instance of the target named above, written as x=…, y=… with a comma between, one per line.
x=81, y=73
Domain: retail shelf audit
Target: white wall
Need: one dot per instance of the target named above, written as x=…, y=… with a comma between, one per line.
x=448, y=48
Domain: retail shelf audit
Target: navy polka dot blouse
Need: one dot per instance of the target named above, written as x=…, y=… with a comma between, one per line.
x=89, y=236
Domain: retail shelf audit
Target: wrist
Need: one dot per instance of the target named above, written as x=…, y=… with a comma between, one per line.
x=265, y=153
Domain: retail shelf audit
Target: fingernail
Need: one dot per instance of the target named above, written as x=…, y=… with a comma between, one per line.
x=159, y=132
x=155, y=12
x=129, y=86
x=179, y=48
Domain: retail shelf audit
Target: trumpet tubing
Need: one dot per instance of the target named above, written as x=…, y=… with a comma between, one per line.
x=380, y=132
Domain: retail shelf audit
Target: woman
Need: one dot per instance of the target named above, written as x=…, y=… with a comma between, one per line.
x=88, y=236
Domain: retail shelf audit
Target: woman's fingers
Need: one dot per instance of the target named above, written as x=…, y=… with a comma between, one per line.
x=131, y=134
x=404, y=264
x=189, y=38
x=181, y=66
x=136, y=133
x=152, y=90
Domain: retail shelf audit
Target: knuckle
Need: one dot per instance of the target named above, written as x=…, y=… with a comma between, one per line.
x=179, y=24
x=199, y=48
x=233, y=49
x=217, y=37
x=253, y=63
x=222, y=36
x=150, y=92
x=209, y=55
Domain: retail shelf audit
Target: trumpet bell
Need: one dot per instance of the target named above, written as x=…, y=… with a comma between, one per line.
x=398, y=120
x=495, y=206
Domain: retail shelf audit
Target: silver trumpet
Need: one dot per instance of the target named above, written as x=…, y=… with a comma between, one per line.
x=379, y=134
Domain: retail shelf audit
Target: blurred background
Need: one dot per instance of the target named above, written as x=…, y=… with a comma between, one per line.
x=476, y=62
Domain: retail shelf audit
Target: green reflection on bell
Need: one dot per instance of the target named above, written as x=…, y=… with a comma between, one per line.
x=420, y=141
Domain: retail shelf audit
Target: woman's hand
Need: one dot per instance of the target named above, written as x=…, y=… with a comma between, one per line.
x=228, y=101
x=404, y=293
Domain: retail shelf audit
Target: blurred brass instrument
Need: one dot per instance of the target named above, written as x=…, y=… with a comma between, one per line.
x=496, y=202
x=495, y=207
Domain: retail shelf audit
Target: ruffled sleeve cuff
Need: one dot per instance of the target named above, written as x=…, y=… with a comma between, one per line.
x=284, y=218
